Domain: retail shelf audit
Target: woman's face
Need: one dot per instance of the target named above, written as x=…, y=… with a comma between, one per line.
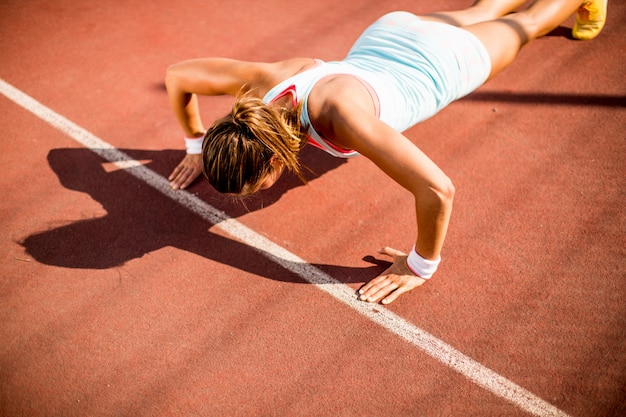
x=270, y=179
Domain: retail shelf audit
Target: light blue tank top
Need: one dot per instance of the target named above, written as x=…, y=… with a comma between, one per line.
x=412, y=68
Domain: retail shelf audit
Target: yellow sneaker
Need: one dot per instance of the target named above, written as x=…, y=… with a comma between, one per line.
x=590, y=19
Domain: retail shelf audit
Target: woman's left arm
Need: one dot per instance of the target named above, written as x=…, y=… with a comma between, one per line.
x=405, y=163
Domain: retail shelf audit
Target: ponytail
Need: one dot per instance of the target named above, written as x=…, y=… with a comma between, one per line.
x=238, y=148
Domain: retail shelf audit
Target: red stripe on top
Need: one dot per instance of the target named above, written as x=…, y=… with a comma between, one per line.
x=294, y=99
x=289, y=90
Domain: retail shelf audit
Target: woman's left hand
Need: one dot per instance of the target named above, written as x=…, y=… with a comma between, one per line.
x=396, y=280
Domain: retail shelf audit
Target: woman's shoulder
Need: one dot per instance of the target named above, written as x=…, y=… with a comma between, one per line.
x=275, y=73
x=293, y=66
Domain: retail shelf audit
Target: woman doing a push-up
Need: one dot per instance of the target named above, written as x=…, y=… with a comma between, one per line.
x=401, y=70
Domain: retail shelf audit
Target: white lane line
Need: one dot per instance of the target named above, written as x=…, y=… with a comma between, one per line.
x=428, y=343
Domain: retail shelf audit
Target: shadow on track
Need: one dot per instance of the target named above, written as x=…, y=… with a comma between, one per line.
x=140, y=219
x=598, y=100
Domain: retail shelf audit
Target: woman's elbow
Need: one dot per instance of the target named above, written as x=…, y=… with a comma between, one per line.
x=445, y=190
x=174, y=75
x=437, y=195
x=170, y=76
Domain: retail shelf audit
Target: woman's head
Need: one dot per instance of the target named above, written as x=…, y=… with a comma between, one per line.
x=247, y=149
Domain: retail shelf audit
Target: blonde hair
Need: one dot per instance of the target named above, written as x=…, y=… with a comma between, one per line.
x=238, y=148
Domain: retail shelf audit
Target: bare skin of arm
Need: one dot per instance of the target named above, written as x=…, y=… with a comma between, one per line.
x=213, y=77
x=342, y=111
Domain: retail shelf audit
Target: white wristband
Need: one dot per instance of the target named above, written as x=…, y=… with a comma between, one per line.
x=423, y=268
x=194, y=145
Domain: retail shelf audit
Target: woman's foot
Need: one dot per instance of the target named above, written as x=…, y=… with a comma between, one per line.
x=590, y=19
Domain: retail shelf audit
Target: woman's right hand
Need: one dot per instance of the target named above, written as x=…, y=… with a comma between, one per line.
x=186, y=172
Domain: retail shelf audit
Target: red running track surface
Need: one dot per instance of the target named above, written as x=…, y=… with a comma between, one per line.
x=117, y=301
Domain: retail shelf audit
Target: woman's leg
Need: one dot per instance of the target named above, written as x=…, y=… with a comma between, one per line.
x=480, y=11
x=504, y=37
